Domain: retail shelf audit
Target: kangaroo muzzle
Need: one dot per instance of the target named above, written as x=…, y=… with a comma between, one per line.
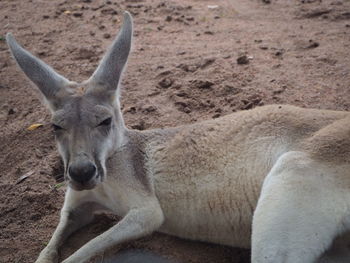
x=82, y=171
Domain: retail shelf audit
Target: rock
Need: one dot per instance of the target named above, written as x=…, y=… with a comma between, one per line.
x=77, y=14
x=106, y=35
x=165, y=83
x=243, y=60
x=109, y=11
x=168, y=18
x=181, y=53
x=279, y=53
x=131, y=110
x=179, y=19
x=135, y=6
x=312, y=44
x=181, y=94
x=202, y=84
x=41, y=53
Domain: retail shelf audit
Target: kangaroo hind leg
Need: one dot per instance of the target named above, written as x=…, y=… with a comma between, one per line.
x=300, y=211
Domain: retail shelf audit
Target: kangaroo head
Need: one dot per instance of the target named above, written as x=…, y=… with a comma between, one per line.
x=86, y=116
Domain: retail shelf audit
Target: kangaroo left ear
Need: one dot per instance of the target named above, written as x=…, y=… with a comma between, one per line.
x=51, y=84
x=107, y=76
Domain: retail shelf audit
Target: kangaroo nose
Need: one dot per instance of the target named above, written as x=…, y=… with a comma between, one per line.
x=82, y=171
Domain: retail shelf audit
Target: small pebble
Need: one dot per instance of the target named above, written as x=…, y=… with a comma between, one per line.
x=243, y=60
x=77, y=14
x=165, y=83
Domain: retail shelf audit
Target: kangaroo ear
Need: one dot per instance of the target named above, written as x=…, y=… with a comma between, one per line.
x=51, y=84
x=108, y=74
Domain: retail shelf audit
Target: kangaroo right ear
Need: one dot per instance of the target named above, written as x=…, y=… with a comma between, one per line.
x=107, y=76
x=51, y=84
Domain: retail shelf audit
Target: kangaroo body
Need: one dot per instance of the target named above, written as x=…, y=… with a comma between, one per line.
x=275, y=178
x=218, y=168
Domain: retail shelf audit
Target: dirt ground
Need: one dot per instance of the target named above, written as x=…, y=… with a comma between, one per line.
x=183, y=69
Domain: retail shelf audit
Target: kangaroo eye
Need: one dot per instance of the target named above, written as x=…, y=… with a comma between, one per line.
x=56, y=127
x=106, y=122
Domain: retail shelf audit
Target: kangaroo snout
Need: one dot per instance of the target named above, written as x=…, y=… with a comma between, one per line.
x=82, y=171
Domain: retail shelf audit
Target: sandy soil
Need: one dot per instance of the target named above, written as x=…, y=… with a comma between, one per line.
x=183, y=69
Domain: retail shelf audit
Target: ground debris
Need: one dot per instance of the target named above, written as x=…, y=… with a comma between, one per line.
x=24, y=177
x=242, y=60
x=166, y=82
x=201, y=84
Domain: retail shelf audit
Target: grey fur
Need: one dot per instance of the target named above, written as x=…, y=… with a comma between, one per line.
x=43, y=76
x=108, y=73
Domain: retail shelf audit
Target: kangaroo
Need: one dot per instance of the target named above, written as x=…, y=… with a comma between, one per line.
x=275, y=179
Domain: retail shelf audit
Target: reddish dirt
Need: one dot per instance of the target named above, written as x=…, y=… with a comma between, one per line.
x=183, y=69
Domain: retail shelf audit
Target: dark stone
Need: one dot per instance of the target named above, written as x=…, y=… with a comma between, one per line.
x=243, y=60
x=202, y=84
x=78, y=14
x=106, y=35
x=166, y=82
